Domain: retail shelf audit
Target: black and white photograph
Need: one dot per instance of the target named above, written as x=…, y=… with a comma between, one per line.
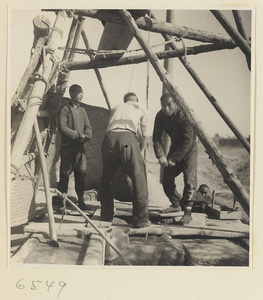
x=131, y=139
x=130, y=136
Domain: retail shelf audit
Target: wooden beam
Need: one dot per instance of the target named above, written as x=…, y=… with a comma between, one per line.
x=52, y=229
x=71, y=34
x=38, y=90
x=104, y=61
x=241, y=29
x=236, y=36
x=97, y=72
x=228, y=175
x=170, y=67
x=77, y=36
x=240, y=24
x=209, y=96
x=149, y=24
x=34, y=59
x=55, y=99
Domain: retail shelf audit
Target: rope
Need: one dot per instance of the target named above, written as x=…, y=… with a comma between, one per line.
x=131, y=77
x=94, y=52
x=57, y=30
x=38, y=76
x=36, y=103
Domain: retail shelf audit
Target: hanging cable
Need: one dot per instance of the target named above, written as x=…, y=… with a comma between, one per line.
x=148, y=73
x=131, y=77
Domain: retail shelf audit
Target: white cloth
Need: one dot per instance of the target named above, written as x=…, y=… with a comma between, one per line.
x=129, y=116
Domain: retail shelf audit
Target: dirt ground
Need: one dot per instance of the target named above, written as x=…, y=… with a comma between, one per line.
x=237, y=158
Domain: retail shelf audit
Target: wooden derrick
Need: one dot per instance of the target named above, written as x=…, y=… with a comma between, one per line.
x=209, y=96
x=228, y=175
x=52, y=77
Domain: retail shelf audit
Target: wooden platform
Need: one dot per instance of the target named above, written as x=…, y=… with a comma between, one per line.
x=205, y=241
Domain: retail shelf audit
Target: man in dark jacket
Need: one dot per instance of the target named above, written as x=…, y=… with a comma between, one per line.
x=75, y=129
x=182, y=156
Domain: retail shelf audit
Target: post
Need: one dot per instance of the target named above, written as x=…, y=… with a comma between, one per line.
x=209, y=96
x=51, y=221
x=239, y=22
x=38, y=91
x=169, y=66
x=228, y=175
x=97, y=72
x=34, y=58
x=241, y=29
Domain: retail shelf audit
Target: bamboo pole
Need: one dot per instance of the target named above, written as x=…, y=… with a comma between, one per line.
x=97, y=72
x=34, y=58
x=51, y=221
x=70, y=38
x=77, y=36
x=97, y=229
x=228, y=175
x=38, y=91
x=105, y=61
x=55, y=100
x=150, y=24
x=236, y=36
x=209, y=96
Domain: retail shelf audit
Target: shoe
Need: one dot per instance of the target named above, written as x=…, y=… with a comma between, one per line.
x=57, y=201
x=82, y=206
x=141, y=224
x=171, y=209
x=187, y=217
x=106, y=219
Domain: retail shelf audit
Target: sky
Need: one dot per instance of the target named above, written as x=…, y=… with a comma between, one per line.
x=225, y=72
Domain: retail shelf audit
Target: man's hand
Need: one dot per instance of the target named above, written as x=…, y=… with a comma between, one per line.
x=163, y=161
x=171, y=163
x=82, y=139
x=143, y=144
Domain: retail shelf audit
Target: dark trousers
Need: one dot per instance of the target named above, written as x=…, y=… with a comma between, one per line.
x=73, y=158
x=121, y=149
x=187, y=166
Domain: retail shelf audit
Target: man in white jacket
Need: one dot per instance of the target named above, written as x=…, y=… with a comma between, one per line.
x=120, y=148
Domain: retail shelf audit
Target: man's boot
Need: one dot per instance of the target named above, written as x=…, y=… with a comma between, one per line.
x=187, y=217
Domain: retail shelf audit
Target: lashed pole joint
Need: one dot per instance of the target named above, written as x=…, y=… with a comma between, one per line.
x=211, y=148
